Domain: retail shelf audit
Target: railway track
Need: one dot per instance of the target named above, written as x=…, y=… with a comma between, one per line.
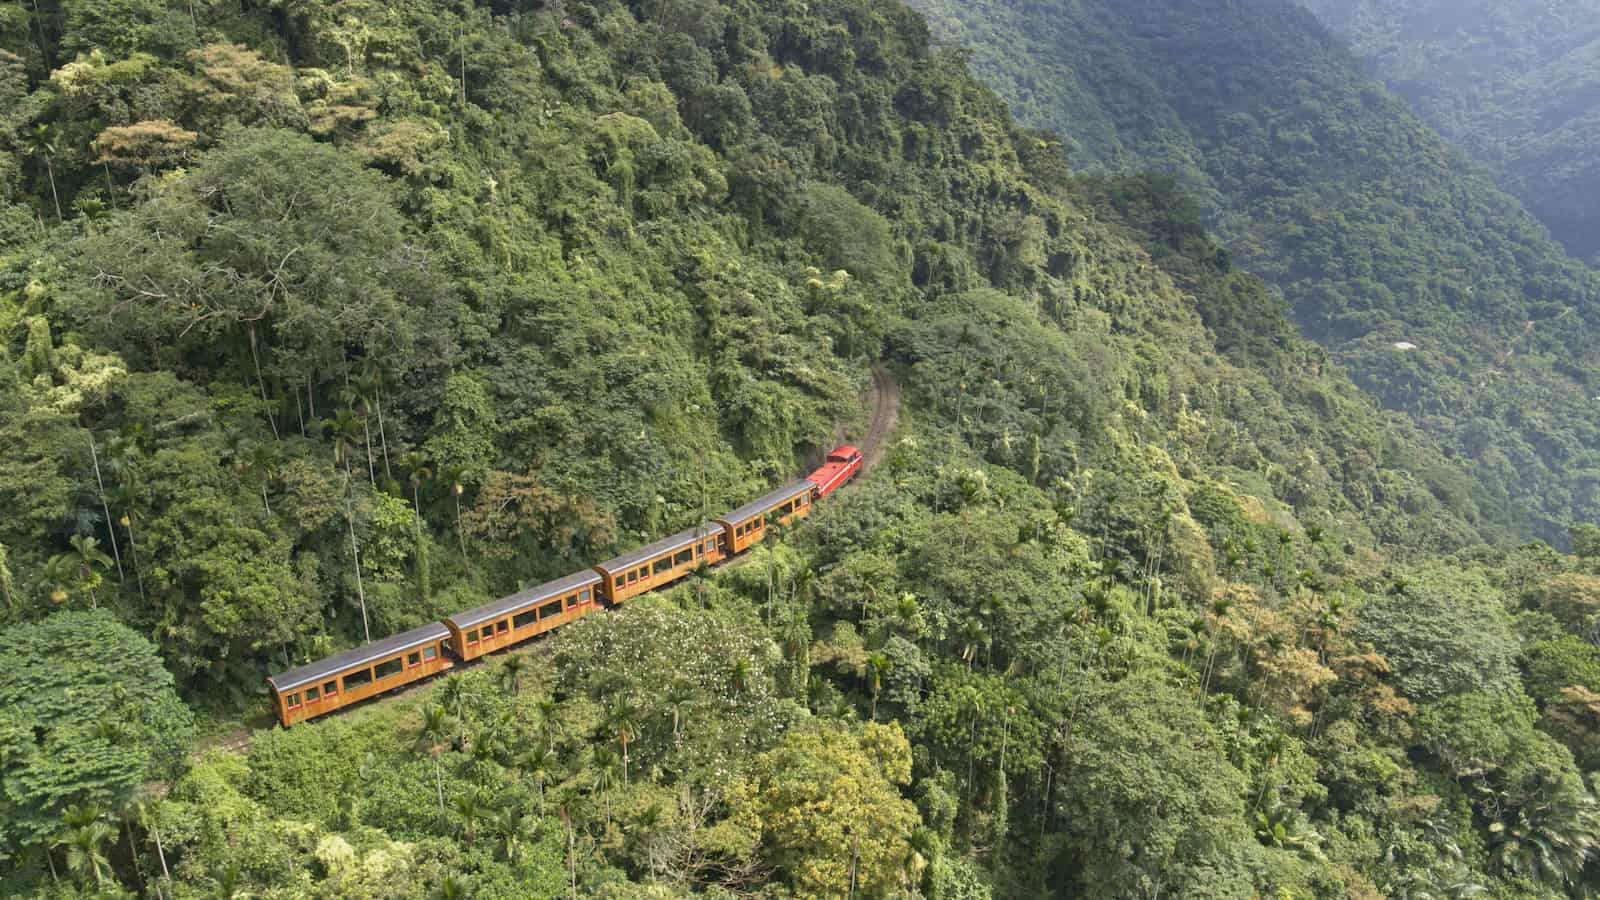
x=885, y=413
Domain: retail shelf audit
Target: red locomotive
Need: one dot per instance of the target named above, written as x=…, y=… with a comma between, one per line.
x=318, y=688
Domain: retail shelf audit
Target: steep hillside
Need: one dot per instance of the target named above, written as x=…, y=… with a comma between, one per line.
x=1380, y=236
x=325, y=319
x=1516, y=85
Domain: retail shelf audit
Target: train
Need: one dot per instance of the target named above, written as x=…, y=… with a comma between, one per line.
x=345, y=679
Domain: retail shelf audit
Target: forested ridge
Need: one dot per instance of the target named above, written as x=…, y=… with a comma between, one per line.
x=1435, y=288
x=324, y=320
x=1516, y=85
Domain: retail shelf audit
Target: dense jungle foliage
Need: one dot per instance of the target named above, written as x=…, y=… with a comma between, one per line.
x=1516, y=85
x=1438, y=292
x=322, y=320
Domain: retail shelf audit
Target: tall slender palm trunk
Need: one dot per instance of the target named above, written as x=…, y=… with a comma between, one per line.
x=111, y=527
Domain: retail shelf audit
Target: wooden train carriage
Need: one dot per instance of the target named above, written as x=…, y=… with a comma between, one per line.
x=747, y=525
x=511, y=620
x=321, y=687
x=663, y=562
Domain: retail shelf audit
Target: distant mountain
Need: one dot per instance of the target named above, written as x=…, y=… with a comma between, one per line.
x=1515, y=83
x=1438, y=290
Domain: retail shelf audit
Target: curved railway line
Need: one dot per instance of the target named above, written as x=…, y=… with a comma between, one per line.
x=885, y=404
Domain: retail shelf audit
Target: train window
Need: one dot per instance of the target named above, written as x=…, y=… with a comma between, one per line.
x=358, y=679
x=633, y=576
x=430, y=652
x=292, y=701
x=644, y=571
x=572, y=601
x=388, y=667
x=583, y=596
x=711, y=546
x=330, y=689
x=663, y=564
x=502, y=626
x=758, y=524
x=472, y=636
x=550, y=609
x=413, y=659
x=311, y=694
x=524, y=619
x=683, y=557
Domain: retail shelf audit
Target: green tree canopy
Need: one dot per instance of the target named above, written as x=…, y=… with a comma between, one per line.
x=828, y=803
x=1444, y=630
x=1146, y=769
x=273, y=245
x=87, y=714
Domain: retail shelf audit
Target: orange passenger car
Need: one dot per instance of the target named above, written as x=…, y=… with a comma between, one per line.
x=319, y=688
x=663, y=562
x=747, y=525
x=514, y=619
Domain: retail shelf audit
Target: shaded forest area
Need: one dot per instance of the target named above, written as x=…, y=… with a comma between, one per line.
x=323, y=319
x=1439, y=293
x=1515, y=85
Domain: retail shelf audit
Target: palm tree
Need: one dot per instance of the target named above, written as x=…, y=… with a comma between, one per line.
x=678, y=698
x=84, y=838
x=41, y=141
x=58, y=573
x=605, y=776
x=122, y=497
x=453, y=694
x=360, y=405
x=511, y=670
x=536, y=761
x=355, y=558
x=549, y=718
x=487, y=745
x=973, y=638
x=105, y=508
x=878, y=665
x=144, y=811
x=228, y=884
x=739, y=678
x=433, y=737
x=259, y=461
x=509, y=826
x=622, y=719
x=454, y=475
x=908, y=615
x=370, y=384
x=450, y=887
x=80, y=564
x=420, y=468
x=1549, y=835
x=991, y=608
x=469, y=809
x=342, y=429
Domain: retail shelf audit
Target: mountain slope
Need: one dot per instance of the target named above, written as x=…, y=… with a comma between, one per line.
x=319, y=320
x=1516, y=85
x=1377, y=233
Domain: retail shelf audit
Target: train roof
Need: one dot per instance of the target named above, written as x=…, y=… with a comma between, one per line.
x=367, y=653
x=520, y=599
x=760, y=506
x=665, y=545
